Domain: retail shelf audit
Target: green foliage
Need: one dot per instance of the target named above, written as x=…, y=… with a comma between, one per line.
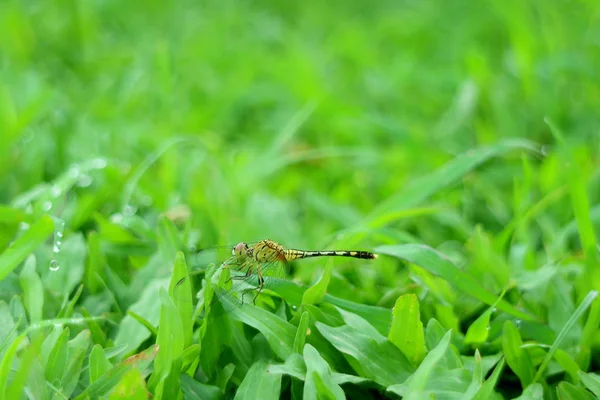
x=456, y=140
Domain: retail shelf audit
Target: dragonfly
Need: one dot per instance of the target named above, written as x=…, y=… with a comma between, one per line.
x=267, y=258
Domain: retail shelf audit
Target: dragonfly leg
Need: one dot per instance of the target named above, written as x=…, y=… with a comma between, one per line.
x=261, y=284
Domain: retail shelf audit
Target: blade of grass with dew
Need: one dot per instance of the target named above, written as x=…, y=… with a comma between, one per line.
x=33, y=290
x=76, y=352
x=25, y=245
x=6, y=364
x=478, y=332
x=21, y=376
x=587, y=301
x=57, y=359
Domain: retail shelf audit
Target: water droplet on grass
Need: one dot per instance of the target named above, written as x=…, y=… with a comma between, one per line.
x=54, y=265
x=55, y=191
x=74, y=171
x=47, y=206
x=129, y=210
x=99, y=163
x=85, y=180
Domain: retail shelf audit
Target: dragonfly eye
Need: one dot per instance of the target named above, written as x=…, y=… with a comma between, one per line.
x=239, y=249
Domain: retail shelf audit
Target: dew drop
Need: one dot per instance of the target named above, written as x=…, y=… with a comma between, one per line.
x=192, y=248
x=129, y=210
x=59, y=226
x=146, y=200
x=24, y=226
x=116, y=218
x=47, y=206
x=54, y=265
x=99, y=163
x=28, y=137
x=74, y=171
x=85, y=180
x=55, y=191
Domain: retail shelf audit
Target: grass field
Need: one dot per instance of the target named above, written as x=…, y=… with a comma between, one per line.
x=458, y=140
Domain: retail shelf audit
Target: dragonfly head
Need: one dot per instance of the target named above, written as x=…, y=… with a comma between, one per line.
x=239, y=250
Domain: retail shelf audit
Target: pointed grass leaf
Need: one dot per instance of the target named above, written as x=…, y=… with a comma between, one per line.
x=301, y=331
x=94, y=266
x=259, y=383
x=440, y=265
x=6, y=364
x=490, y=383
x=33, y=290
x=25, y=245
x=568, y=391
x=381, y=362
x=57, y=359
x=169, y=339
x=21, y=378
x=581, y=309
x=319, y=382
x=517, y=358
x=316, y=293
x=169, y=243
x=478, y=331
x=77, y=349
x=568, y=364
x=476, y=377
x=98, y=363
x=407, y=331
x=591, y=381
x=183, y=299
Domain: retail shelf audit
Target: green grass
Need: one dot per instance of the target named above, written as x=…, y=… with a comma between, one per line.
x=458, y=140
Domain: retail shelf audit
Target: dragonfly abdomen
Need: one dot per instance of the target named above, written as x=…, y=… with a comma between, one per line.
x=296, y=254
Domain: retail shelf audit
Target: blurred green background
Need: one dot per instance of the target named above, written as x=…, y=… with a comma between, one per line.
x=316, y=124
